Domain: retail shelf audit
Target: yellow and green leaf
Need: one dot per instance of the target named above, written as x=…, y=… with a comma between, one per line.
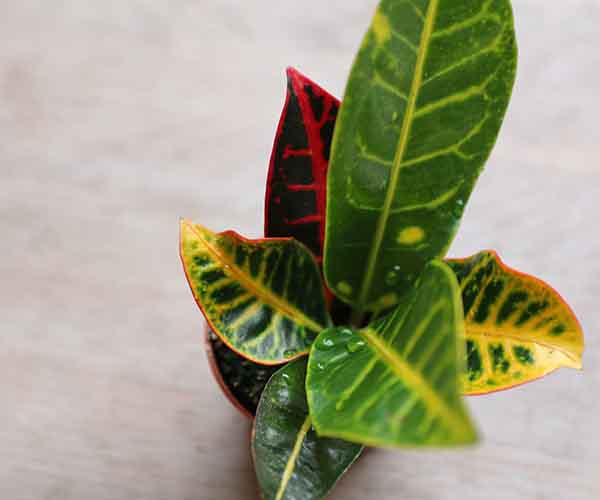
x=263, y=298
x=518, y=328
x=397, y=382
x=423, y=106
x=292, y=462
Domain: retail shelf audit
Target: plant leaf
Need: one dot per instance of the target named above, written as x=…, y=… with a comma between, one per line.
x=518, y=328
x=241, y=380
x=398, y=381
x=296, y=184
x=300, y=156
x=422, y=109
x=264, y=298
x=291, y=461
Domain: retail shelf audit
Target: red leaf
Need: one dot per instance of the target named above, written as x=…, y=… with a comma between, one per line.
x=295, y=200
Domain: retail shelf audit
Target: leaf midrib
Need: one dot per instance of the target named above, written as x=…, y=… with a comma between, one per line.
x=400, y=151
x=413, y=379
x=255, y=287
x=293, y=458
x=483, y=332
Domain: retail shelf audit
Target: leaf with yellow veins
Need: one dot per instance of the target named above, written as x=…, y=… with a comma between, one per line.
x=397, y=382
x=263, y=298
x=423, y=106
x=518, y=328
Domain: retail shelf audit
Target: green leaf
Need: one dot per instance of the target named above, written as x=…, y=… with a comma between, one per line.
x=291, y=461
x=398, y=381
x=518, y=328
x=422, y=109
x=264, y=298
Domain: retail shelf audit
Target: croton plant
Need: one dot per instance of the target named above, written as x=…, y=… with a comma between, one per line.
x=344, y=326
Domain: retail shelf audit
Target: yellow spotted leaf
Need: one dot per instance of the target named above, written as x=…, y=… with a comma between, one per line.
x=423, y=105
x=518, y=328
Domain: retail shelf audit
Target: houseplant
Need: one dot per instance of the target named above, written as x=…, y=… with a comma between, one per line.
x=344, y=327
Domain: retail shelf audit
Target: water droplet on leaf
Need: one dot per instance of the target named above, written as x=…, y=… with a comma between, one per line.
x=345, y=332
x=393, y=276
x=355, y=344
x=325, y=344
x=457, y=211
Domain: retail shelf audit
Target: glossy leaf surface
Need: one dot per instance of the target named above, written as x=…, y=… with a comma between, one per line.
x=291, y=461
x=518, y=328
x=296, y=184
x=264, y=298
x=397, y=382
x=422, y=109
x=241, y=380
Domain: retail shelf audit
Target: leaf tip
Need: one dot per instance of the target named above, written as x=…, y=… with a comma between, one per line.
x=577, y=364
x=184, y=224
x=291, y=72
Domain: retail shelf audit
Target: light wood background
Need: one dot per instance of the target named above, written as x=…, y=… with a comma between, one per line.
x=118, y=117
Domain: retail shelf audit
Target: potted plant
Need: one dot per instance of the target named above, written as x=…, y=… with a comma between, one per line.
x=345, y=327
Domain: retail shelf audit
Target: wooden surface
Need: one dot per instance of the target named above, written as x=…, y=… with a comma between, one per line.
x=118, y=117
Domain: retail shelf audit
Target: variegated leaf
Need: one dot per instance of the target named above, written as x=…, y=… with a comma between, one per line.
x=296, y=191
x=296, y=184
x=264, y=298
x=398, y=381
x=423, y=106
x=518, y=328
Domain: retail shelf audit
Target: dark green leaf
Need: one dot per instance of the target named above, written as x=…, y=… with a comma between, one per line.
x=398, y=381
x=424, y=103
x=291, y=461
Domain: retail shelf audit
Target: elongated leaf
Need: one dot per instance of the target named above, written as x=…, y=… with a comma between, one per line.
x=398, y=381
x=264, y=298
x=424, y=103
x=291, y=461
x=518, y=328
x=241, y=380
x=296, y=185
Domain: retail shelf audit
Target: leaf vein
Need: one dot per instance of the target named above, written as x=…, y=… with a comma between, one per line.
x=402, y=145
x=291, y=462
x=413, y=379
x=257, y=288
